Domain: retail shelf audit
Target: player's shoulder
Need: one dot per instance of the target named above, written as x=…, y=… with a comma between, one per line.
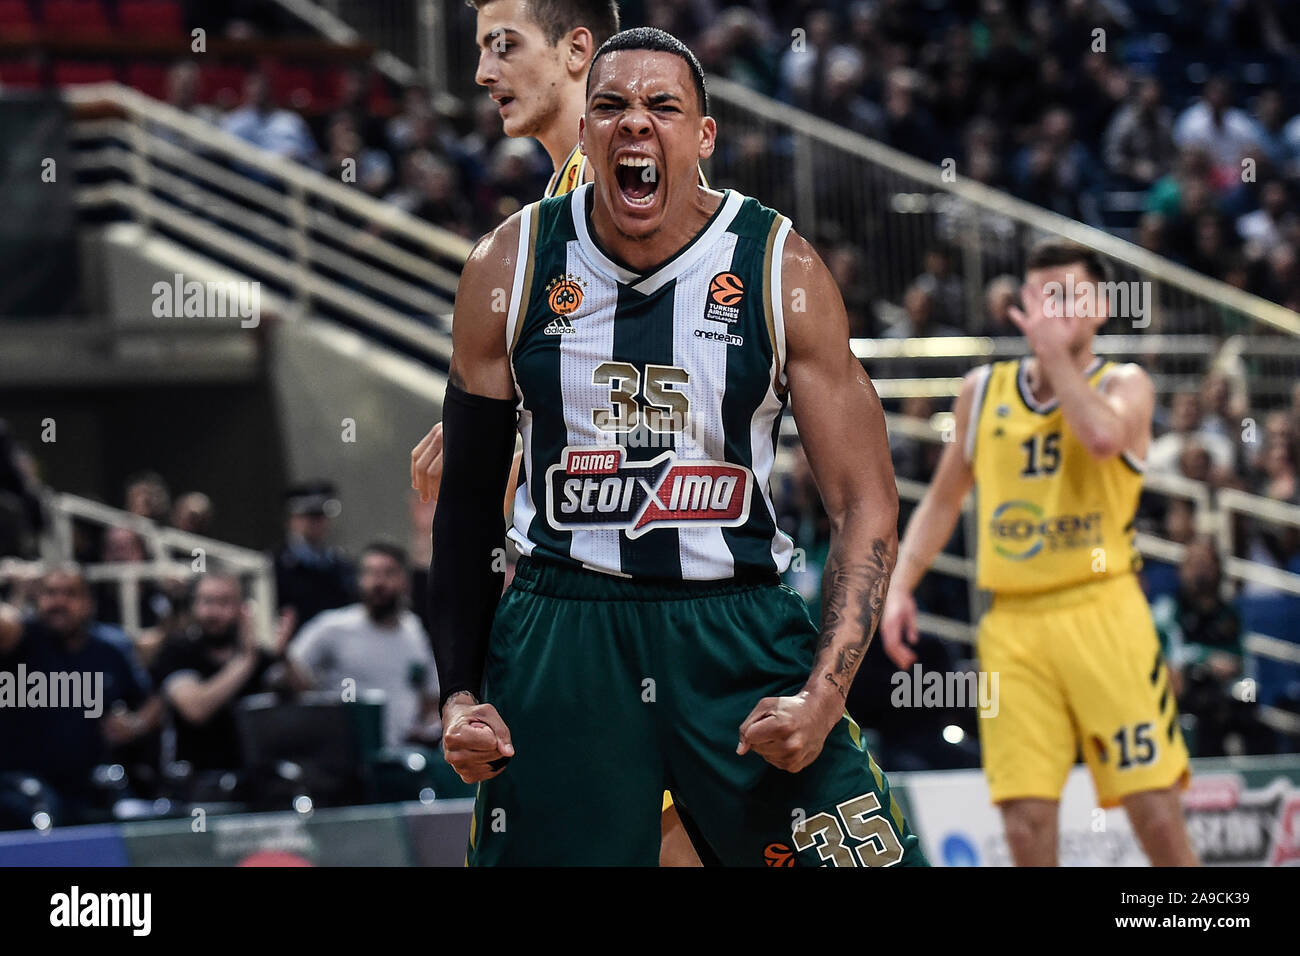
x=502, y=240
x=1125, y=375
x=752, y=220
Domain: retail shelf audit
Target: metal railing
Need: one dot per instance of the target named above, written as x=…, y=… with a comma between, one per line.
x=320, y=245
x=932, y=367
x=172, y=555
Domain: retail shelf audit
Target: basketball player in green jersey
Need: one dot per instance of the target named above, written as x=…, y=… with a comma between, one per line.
x=533, y=60
x=655, y=330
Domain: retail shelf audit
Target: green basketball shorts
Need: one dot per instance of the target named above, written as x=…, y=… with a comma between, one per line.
x=616, y=690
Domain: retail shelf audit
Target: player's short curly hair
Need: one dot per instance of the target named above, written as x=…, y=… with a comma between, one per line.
x=558, y=17
x=652, y=38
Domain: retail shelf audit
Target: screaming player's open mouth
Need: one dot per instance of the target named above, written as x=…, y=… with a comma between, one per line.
x=638, y=179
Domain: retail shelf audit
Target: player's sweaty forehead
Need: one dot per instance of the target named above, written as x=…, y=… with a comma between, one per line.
x=643, y=78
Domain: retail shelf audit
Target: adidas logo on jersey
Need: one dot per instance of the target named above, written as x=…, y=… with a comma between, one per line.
x=559, y=326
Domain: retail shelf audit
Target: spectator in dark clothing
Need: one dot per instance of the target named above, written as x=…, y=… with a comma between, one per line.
x=93, y=698
x=310, y=575
x=148, y=496
x=906, y=123
x=1057, y=172
x=1200, y=635
x=1139, y=141
x=193, y=513
x=204, y=671
x=123, y=546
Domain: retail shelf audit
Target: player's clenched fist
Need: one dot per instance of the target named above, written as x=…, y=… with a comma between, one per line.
x=426, y=464
x=789, y=732
x=475, y=740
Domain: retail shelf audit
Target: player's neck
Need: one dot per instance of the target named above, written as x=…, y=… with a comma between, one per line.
x=642, y=255
x=1041, y=386
x=561, y=136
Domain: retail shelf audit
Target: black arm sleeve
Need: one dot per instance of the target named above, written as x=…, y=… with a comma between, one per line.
x=478, y=442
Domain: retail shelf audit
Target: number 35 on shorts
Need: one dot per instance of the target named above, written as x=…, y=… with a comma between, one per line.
x=857, y=834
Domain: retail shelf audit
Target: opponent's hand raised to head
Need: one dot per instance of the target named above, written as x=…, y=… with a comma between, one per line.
x=1048, y=331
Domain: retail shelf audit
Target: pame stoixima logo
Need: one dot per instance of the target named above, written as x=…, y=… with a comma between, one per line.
x=1020, y=530
x=598, y=488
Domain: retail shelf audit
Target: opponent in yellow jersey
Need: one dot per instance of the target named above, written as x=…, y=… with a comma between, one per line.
x=569, y=176
x=1050, y=515
x=1053, y=445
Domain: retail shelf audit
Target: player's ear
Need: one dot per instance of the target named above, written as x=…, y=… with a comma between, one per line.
x=582, y=128
x=708, y=136
x=581, y=48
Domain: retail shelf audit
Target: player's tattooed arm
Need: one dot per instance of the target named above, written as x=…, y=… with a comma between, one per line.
x=842, y=428
x=853, y=597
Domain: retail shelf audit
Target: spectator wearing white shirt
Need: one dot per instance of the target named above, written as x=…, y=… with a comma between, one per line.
x=1214, y=123
x=378, y=645
x=260, y=122
x=1265, y=229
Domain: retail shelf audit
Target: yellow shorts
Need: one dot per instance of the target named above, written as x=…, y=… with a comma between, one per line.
x=1078, y=669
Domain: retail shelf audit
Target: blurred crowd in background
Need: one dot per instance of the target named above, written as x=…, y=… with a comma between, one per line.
x=1175, y=125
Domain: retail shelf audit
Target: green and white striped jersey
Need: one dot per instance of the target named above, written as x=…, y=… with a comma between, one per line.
x=649, y=402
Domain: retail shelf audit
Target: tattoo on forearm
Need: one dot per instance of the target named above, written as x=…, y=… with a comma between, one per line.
x=852, y=595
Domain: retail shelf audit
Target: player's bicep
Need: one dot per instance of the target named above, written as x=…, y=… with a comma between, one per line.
x=1131, y=395
x=840, y=419
x=480, y=363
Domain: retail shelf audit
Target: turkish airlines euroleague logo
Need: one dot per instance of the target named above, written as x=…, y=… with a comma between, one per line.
x=597, y=488
x=726, y=293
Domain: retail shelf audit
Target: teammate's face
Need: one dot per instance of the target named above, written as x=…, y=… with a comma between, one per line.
x=644, y=136
x=522, y=72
